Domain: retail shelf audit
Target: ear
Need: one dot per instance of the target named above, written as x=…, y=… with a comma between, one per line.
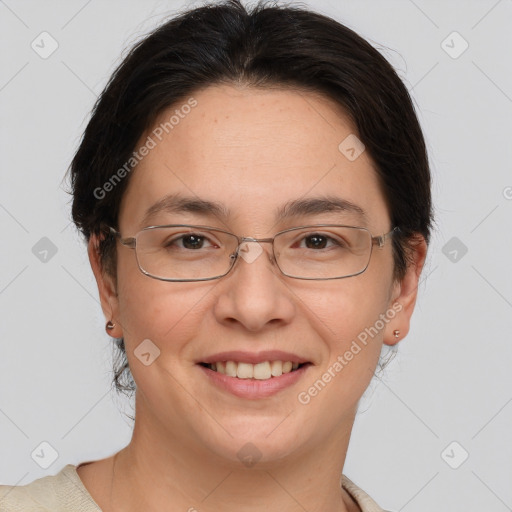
x=405, y=292
x=106, y=287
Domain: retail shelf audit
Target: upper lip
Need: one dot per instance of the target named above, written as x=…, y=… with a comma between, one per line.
x=240, y=356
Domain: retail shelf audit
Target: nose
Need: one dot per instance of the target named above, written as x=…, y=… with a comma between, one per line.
x=254, y=295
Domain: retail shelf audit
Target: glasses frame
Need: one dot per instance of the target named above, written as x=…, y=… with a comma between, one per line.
x=131, y=243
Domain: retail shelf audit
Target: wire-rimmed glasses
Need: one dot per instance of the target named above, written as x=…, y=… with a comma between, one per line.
x=183, y=252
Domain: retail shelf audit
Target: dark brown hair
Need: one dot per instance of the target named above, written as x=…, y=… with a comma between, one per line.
x=268, y=45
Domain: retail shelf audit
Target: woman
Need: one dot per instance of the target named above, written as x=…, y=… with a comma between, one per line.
x=255, y=193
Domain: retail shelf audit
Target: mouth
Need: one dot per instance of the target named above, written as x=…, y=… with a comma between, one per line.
x=254, y=375
x=264, y=370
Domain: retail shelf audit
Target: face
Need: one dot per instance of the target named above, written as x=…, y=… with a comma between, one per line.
x=253, y=151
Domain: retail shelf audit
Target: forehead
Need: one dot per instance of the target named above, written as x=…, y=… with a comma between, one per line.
x=253, y=150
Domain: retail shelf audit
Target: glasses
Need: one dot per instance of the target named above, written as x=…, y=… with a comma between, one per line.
x=181, y=252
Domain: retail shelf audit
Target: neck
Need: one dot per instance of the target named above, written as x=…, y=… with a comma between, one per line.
x=158, y=468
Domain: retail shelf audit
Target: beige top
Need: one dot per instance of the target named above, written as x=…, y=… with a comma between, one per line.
x=65, y=492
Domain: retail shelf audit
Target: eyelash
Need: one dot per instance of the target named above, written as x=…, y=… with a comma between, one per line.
x=333, y=241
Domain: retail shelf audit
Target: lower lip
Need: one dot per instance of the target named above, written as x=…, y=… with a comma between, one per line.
x=254, y=388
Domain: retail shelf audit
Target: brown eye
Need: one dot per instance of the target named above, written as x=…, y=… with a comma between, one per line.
x=316, y=242
x=193, y=241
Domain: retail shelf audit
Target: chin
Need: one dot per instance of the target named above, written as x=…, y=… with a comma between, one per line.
x=255, y=440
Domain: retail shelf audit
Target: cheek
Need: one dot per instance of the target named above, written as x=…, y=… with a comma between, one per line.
x=346, y=307
x=171, y=319
x=169, y=314
x=350, y=316
x=353, y=350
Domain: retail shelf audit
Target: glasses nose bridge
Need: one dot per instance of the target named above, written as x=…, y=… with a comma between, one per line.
x=244, y=239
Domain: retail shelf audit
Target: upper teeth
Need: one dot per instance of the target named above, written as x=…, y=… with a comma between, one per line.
x=260, y=371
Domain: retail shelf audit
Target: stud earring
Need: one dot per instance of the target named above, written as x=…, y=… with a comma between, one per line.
x=110, y=325
x=396, y=333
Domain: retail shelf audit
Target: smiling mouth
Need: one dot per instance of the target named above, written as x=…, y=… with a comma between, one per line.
x=259, y=371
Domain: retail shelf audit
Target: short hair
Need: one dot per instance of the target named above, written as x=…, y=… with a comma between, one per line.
x=266, y=46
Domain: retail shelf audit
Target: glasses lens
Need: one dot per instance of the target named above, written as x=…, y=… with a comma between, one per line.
x=325, y=252
x=185, y=252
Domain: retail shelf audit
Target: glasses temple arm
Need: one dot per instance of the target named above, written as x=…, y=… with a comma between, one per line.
x=129, y=242
x=381, y=239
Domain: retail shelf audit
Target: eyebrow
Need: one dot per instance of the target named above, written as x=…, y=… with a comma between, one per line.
x=176, y=203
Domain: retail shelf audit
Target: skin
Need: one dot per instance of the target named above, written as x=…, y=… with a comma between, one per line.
x=263, y=148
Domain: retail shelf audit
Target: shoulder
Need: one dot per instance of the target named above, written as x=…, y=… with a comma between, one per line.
x=365, y=502
x=54, y=493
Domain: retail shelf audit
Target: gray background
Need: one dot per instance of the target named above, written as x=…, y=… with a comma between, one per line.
x=451, y=380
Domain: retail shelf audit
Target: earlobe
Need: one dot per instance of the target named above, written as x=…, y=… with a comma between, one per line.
x=106, y=288
x=405, y=294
